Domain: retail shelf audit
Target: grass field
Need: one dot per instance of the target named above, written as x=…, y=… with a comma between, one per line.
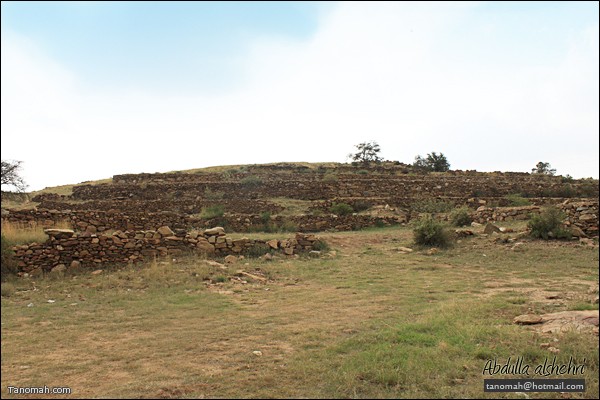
x=363, y=321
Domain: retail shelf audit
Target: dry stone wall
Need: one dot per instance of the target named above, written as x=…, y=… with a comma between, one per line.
x=580, y=214
x=100, y=221
x=67, y=250
x=313, y=187
x=182, y=206
x=144, y=201
x=496, y=214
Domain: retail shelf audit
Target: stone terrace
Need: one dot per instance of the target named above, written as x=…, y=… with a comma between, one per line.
x=143, y=201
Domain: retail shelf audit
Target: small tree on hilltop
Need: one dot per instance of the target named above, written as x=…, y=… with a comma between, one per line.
x=433, y=162
x=11, y=175
x=543, y=168
x=367, y=152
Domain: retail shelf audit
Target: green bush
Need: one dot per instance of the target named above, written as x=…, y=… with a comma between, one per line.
x=430, y=232
x=361, y=205
x=432, y=206
x=257, y=250
x=589, y=188
x=320, y=245
x=265, y=217
x=460, y=217
x=330, y=177
x=566, y=179
x=341, y=209
x=548, y=225
x=9, y=264
x=251, y=181
x=213, y=195
x=211, y=212
x=288, y=226
x=516, y=200
x=379, y=223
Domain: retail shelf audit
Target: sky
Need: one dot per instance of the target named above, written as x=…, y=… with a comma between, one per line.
x=93, y=89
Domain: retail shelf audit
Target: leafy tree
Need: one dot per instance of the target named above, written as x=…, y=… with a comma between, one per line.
x=433, y=162
x=367, y=152
x=543, y=168
x=11, y=175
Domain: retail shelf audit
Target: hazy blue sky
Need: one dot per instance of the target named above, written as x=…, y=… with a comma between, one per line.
x=91, y=89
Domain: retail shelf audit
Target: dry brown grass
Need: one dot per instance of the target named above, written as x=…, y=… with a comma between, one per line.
x=367, y=322
x=30, y=232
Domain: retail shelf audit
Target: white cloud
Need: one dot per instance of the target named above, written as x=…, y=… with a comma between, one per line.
x=369, y=72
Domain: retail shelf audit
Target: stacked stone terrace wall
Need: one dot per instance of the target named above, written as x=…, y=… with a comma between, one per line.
x=311, y=188
x=305, y=223
x=66, y=250
x=100, y=221
x=582, y=214
x=182, y=206
x=498, y=214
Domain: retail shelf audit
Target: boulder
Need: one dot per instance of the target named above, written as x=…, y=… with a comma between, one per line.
x=204, y=246
x=216, y=231
x=231, y=259
x=528, y=319
x=59, y=269
x=59, y=233
x=577, y=232
x=75, y=265
x=491, y=228
x=165, y=231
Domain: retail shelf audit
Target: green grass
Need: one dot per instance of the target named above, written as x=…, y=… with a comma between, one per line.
x=291, y=206
x=516, y=200
x=213, y=211
x=367, y=322
x=584, y=307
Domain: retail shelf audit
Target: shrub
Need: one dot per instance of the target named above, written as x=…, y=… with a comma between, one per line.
x=548, y=225
x=379, y=223
x=320, y=245
x=330, y=177
x=589, y=188
x=460, y=217
x=564, y=190
x=566, y=179
x=433, y=162
x=361, y=205
x=257, y=250
x=341, y=209
x=288, y=226
x=432, y=206
x=251, y=181
x=213, y=195
x=214, y=211
x=265, y=217
x=430, y=232
x=9, y=264
x=516, y=200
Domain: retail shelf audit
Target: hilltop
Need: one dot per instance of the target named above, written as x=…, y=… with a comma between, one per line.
x=291, y=196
